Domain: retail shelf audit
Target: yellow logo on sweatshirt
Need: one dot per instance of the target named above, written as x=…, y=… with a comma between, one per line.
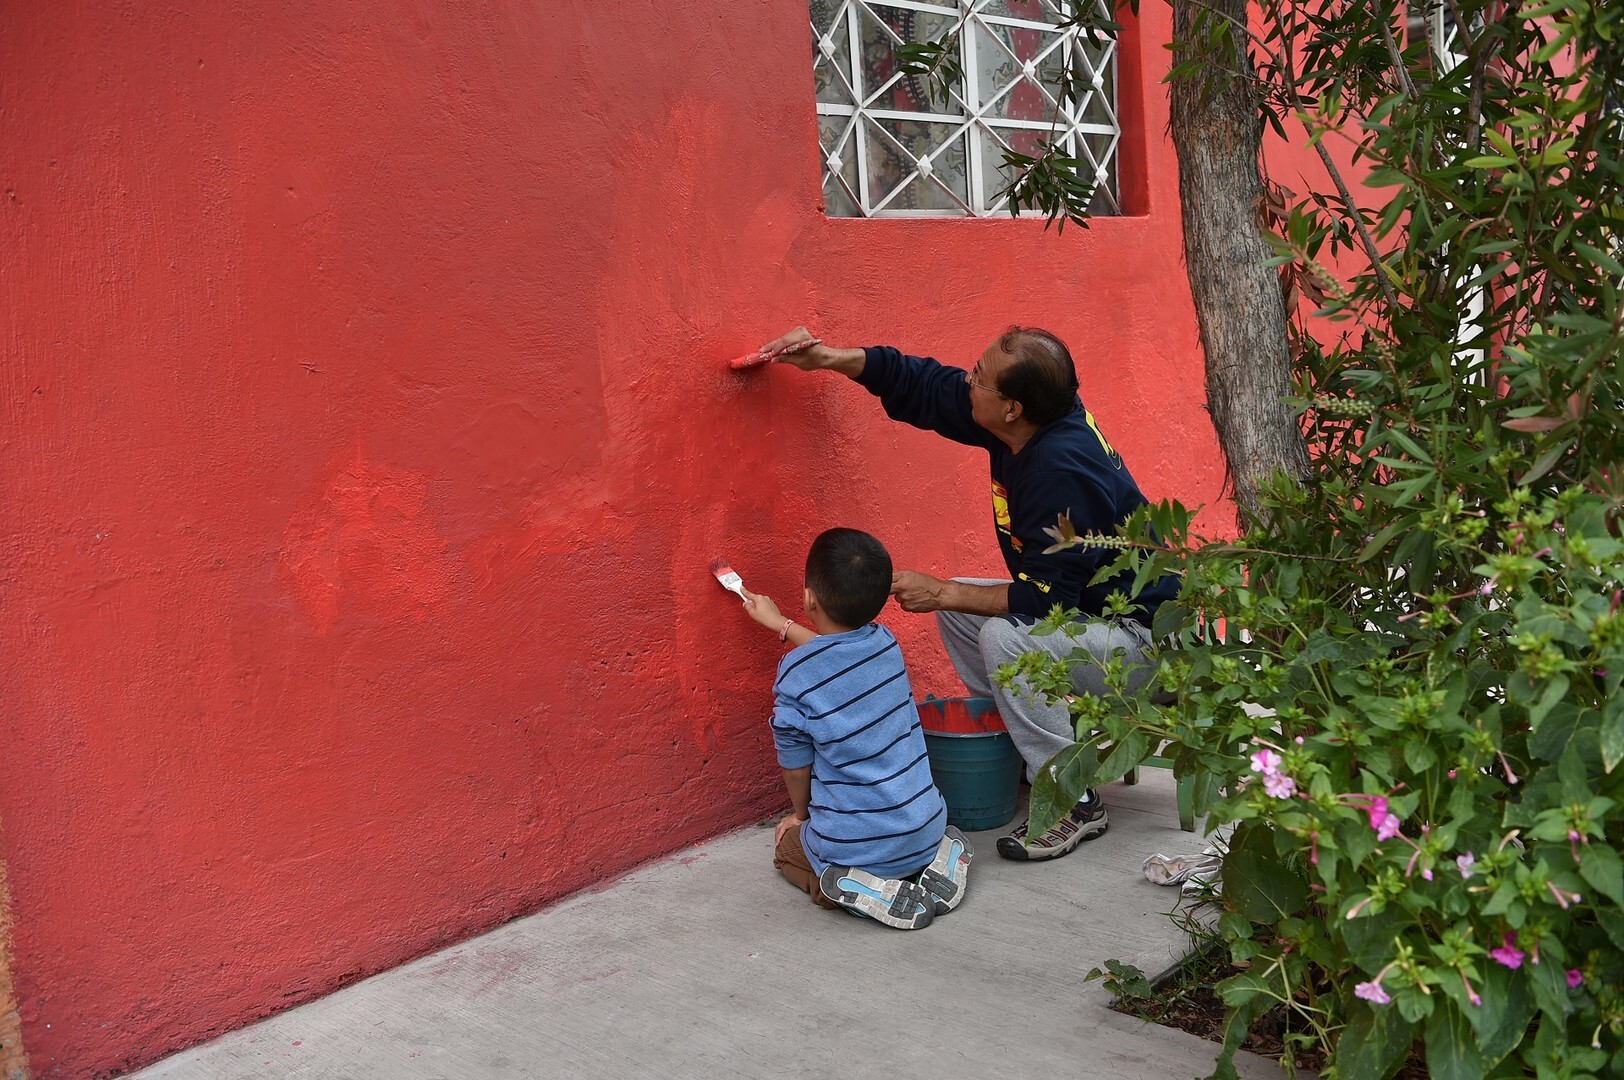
x=1000, y=505
x=1000, y=513
x=1041, y=586
x=1100, y=435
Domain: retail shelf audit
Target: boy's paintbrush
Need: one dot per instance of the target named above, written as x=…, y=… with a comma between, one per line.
x=729, y=579
x=762, y=356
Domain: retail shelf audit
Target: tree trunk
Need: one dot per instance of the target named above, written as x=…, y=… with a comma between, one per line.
x=1217, y=129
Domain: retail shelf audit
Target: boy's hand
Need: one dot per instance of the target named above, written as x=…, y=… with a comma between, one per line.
x=783, y=827
x=762, y=609
x=917, y=592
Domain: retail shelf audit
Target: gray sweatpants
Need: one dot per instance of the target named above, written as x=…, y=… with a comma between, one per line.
x=978, y=645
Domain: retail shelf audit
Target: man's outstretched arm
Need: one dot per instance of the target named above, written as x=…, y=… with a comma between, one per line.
x=921, y=592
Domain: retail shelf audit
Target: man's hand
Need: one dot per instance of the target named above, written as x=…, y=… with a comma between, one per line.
x=797, y=347
x=783, y=827
x=918, y=592
x=800, y=349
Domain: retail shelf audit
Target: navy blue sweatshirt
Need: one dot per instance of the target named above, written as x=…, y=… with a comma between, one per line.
x=1066, y=468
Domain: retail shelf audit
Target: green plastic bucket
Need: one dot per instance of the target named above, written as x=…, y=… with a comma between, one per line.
x=973, y=760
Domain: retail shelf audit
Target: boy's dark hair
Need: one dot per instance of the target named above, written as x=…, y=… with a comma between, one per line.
x=850, y=574
x=1042, y=378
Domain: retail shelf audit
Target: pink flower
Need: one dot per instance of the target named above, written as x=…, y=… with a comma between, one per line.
x=1575, y=979
x=1371, y=992
x=1465, y=863
x=1471, y=994
x=1279, y=786
x=1266, y=761
x=1426, y=875
x=1385, y=824
x=1508, y=953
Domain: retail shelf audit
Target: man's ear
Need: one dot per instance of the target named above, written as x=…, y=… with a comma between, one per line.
x=809, y=603
x=1012, y=411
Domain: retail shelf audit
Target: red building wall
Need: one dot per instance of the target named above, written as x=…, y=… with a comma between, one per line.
x=367, y=435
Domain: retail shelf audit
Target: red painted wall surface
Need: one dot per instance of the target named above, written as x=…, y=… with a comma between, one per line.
x=367, y=434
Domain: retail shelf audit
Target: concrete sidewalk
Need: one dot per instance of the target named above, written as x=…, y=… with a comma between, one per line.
x=707, y=964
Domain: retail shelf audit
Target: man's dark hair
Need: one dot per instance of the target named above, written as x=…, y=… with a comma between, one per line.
x=1042, y=378
x=850, y=574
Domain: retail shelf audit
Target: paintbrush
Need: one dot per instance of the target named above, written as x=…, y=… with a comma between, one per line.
x=762, y=356
x=729, y=578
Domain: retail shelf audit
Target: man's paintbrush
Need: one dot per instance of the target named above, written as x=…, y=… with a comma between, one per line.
x=761, y=356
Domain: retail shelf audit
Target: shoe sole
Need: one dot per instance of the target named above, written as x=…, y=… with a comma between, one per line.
x=1021, y=853
x=948, y=874
x=902, y=904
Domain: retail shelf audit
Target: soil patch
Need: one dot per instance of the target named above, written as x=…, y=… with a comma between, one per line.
x=1186, y=1001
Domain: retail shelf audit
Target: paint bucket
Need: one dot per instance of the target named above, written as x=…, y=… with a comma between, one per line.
x=973, y=760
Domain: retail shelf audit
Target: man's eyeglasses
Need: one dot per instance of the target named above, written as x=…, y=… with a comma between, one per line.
x=975, y=380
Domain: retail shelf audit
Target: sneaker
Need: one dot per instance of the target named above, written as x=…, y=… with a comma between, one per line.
x=1085, y=821
x=902, y=904
x=948, y=874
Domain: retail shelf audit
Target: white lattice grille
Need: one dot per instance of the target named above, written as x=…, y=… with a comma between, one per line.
x=1447, y=50
x=890, y=151
x=1443, y=37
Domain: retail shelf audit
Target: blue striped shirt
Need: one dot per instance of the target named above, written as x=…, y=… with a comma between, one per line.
x=844, y=707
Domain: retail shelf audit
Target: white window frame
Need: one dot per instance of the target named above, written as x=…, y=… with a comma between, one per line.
x=971, y=115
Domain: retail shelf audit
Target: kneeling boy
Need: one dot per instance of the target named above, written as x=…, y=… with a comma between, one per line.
x=868, y=830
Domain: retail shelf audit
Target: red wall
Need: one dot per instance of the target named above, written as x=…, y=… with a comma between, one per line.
x=367, y=436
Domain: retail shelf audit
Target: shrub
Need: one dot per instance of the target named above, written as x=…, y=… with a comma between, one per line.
x=1428, y=811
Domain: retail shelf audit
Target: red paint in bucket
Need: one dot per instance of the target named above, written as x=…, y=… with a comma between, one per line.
x=960, y=716
x=973, y=761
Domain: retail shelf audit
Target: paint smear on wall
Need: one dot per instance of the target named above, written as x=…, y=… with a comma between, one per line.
x=366, y=546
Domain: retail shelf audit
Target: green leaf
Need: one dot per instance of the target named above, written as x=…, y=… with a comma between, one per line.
x=1243, y=989
x=1508, y=1007
x=1373, y=1044
x=1126, y=753
x=1419, y=755
x=1599, y=257
x=1602, y=870
x=1452, y=1052
x=1559, y=731
x=1555, y=691
x=1545, y=462
x=1612, y=921
x=1169, y=619
x=1550, y=990
x=1369, y=938
x=1060, y=783
x=1256, y=882
x=1379, y=541
x=1612, y=732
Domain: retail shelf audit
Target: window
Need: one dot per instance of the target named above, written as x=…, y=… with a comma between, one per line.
x=889, y=150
